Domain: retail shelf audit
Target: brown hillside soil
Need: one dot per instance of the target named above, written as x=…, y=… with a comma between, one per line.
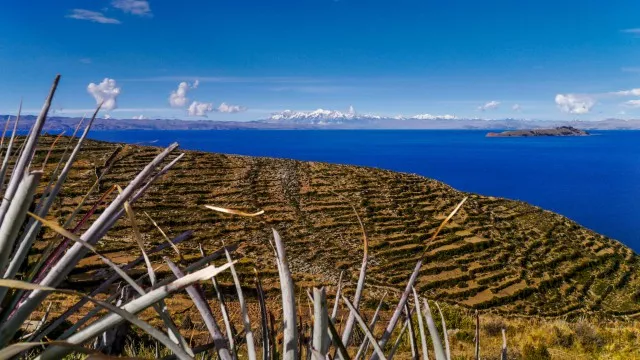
x=503, y=255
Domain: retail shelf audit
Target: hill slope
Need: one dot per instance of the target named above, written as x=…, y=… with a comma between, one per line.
x=497, y=253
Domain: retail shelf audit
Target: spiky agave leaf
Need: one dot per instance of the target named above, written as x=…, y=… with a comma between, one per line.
x=433, y=331
x=22, y=164
x=412, y=279
x=289, y=348
x=423, y=334
x=138, y=237
x=445, y=334
x=477, y=337
x=365, y=344
x=348, y=328
x=503, y=353
x=161, y=309
x=320, y=319
x=205, y=311
x=113, y=309
x=263, y=316
x=335, y=338
x=223, y=310
x=134, y=306
x=44, y=206
x=15, y=216
x=164, y=235
x=412, y=334
x=105, y=285
x=248, y=333
x=233, y=212
x=336, y=303
x=365, y=328
x=396, y=345
x=164, y=282
x=7, y=154
x=64, y=266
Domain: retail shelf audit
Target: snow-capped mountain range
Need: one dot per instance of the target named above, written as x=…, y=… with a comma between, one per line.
x=322, y=116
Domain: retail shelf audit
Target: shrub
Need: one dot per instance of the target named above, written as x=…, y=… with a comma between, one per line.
x=563, y=339
x=494, y=327
x=464, y=336
x=539, y=352
x=588, y=337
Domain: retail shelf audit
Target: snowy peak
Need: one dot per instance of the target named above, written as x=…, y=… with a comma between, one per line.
x=433, y=117
x=322, y=116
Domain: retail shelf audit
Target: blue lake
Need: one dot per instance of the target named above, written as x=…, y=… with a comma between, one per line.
x=593, y=180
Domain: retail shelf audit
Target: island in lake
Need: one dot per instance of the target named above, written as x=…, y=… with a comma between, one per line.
x=559, y=131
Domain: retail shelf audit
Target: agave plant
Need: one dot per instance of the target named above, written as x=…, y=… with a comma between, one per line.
x=23, y=292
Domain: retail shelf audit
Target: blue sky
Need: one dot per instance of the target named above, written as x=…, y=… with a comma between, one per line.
x=553, y=59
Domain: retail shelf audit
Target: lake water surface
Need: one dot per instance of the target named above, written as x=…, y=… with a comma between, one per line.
x=593, y=180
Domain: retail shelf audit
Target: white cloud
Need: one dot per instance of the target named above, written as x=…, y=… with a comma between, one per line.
x=574, y=104
x=632, y=31
x=139, y=117
x=199, y=109
x=178, y=98
x=95, y=16
x=631, y=92
x=107, y=116
x=226, y=108
x=516, y=107
x=633, y=103
x=85, y=60
x=135, y=7
x=489, y=106
x=106, y=93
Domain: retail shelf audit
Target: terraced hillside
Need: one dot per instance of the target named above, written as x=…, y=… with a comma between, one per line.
x=496, y=253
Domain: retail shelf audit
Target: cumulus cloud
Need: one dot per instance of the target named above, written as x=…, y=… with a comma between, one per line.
x=489, y=106
x=107, y=116
x=106, y=93
x=199, y=109
x=135, y=7
x=139, y=117
x=516, y=107
x=94, y=16
x=227, y=108
x=574, y=104
x=178, y=98
x=633, y=103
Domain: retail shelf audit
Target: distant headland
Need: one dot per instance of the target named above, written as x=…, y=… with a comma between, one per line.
x=559, y=131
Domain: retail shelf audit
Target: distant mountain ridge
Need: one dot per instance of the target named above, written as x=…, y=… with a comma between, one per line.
x=329, y=119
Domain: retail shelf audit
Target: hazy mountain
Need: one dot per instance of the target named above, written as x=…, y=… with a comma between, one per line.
x=329, y=119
